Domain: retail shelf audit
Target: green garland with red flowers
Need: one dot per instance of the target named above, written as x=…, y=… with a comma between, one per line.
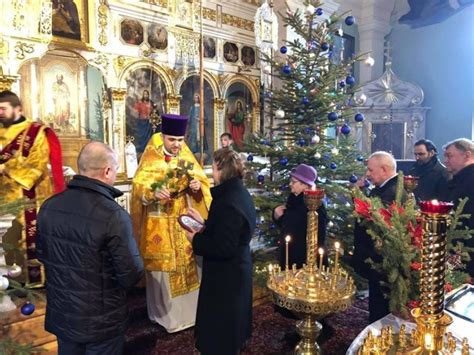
x=397, y=232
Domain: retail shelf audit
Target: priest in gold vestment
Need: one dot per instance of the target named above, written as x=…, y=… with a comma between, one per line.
x=168, y=181
x=26, y=149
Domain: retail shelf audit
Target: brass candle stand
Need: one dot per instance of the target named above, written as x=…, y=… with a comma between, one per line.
x=410, y=183
x=311, y=292
x=430, y=335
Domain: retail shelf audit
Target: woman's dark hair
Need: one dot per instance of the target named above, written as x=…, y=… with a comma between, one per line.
x=229, y=164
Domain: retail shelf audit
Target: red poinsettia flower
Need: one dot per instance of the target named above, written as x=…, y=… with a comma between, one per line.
x=362, y=208
x=415, y=265
x=387, y=216
x=448, y=287
x=416, y=234
x=413, y=304
x=167, y=158
x=395, y=207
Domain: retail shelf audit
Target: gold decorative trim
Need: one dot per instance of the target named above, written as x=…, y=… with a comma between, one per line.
x=6, y=81
x=101, y=60
x=22, y=48
x=220, y=103
x=3, y=48
x=209, y=14
x=102, y=10
x=238, y=22
x=118, y=94
x=162, y=3
x=173, y=101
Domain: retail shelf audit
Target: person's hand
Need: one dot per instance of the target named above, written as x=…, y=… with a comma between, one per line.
x=190, y=236
x=163, y=194
x=195, y=214
x=279, y=211
x=195, y=185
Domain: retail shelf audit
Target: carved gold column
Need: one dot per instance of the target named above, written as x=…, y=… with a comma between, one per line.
x=102, y=11
x=256, y=117
x=172, y=103
x=116, y=127
x=219, y=121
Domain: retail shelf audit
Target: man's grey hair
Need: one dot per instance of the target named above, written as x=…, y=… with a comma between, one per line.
x=95, y=156
x=462, y=144
x=385, y=159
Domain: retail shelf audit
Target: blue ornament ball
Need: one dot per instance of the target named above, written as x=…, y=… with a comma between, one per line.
x=272, y=226
x=350, y=20
x=353, y=179
x=359, y=117
x=345, y=129
x=319, y=11
x=260, y=178
x=350, y=80
x=324, y=46
x=283, y=187
x=366, y=183
x=305, y=100
x=250, y=157
x=283, y=50
x=333, y=166
x=27, y=309
x=284, y=161
x=326, y=156
x=332, y=116
x=360, y=158
x=286, y=69
x=307, y=130
x=342, y=83
x=301, y=142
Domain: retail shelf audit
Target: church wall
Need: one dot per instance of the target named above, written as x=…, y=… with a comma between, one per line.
x=439, y=58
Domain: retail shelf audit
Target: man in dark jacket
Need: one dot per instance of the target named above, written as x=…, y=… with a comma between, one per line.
x=382, y=172
x=432, y=175
x=459, y=160
x=86, y=243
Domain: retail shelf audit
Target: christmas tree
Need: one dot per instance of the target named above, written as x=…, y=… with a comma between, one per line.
x=310, y=122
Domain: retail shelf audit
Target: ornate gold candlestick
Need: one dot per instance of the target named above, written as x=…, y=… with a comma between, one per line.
x=311, y=292
x=431, y=321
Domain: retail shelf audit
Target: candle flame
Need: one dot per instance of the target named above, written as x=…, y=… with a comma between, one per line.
x=321, y=251
x=435, y=202
x=287, y=239
x=337, y=245
x=313, y=188
x=270, y=268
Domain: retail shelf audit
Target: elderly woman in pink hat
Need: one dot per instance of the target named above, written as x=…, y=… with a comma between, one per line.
x=292, y=217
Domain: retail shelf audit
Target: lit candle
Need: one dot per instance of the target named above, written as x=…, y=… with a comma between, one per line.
x=337, y=245
x=287, y=241
x=314, y=191
x=435, y=206
x=321, y=254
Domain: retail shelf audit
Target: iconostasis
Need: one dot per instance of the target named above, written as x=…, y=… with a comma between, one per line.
x=106, y=70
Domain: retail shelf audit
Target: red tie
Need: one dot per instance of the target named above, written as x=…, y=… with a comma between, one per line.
x=167, y=158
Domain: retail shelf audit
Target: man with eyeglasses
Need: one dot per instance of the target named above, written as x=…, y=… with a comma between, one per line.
x=459, y=160
x=432, y=175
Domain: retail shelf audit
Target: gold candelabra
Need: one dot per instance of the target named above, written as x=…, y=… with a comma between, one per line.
x=430, y=335
x=311, y=292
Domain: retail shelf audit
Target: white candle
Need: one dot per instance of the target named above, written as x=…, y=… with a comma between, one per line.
x=287, y=241
x=337, y=245
x=321, y=254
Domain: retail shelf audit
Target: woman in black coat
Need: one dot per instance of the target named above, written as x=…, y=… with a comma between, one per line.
x=292, y=218
x=224, y=314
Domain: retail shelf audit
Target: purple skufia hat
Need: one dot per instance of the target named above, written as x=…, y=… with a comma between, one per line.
x=174, y=125
x=305, y=173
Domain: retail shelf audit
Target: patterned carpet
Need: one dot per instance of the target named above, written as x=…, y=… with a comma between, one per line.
x=272, y=333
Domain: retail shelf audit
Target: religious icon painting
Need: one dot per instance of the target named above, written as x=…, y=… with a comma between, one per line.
x=209, y=47
x=157, y=36
x=70, y=22
x=231, y=52
x=248, y=56
x=131, y=32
